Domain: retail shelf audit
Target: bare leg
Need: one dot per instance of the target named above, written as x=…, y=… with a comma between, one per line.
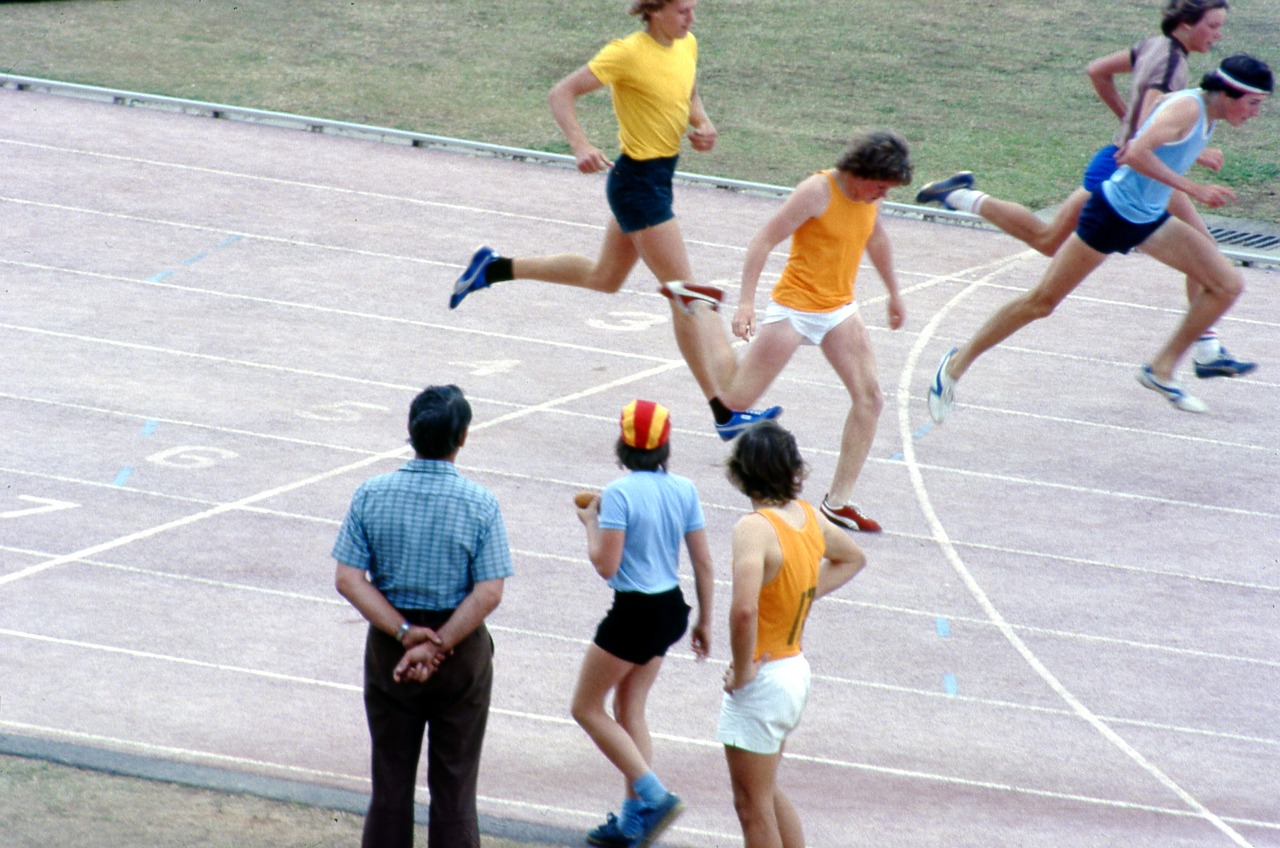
x=601, y=672
x=848, y=348
x=1070, y=265
x=1178, y=245
x=663, y=252
x=755, y=800
x=1024, y=225
x=606, y=274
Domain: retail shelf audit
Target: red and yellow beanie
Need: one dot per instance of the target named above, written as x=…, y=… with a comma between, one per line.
x=645, y=424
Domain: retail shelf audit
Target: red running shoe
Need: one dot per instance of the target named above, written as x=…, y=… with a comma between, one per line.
x=848, y=517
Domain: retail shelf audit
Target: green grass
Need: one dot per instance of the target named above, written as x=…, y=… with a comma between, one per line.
x=995, y=87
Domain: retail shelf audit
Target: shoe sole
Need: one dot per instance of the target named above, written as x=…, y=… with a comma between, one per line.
x=1208, y=373
x=963, y=179
x=684, y=298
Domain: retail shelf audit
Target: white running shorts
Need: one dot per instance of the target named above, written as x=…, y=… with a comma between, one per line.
x=760, y=715
x=814, y=326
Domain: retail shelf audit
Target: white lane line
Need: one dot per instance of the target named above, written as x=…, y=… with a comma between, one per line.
x=953, y=557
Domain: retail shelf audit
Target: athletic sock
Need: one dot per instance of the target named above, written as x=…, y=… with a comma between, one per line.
x=722, y=413
x=966, y=200
x=499, y=271
x=1207, y=348
x=650, y=789
x=629, y=817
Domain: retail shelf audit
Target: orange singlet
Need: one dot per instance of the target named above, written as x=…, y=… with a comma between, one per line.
x=785, y=600
x=825, y=253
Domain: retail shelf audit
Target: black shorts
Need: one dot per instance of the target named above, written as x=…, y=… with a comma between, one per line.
x=640, y=627
x=1107, y=231
x=639, y=192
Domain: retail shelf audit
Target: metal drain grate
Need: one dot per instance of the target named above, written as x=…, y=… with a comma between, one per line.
x=1248, y=241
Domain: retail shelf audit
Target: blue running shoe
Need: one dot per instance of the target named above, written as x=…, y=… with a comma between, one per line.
x=608, y=835
x=1225, y=365
x=654, y=820
x=473, y=278
x=742, y=420
x=936, y=192
x=942, y=391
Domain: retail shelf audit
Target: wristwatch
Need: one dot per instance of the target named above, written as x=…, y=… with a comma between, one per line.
x=403, y=631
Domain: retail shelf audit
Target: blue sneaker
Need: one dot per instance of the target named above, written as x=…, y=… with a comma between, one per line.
x=936, y=192
x=608, y=835
x=742, y=420
x=1223, y=366
x=473, y=278
x=654, y=820
x=942, y=391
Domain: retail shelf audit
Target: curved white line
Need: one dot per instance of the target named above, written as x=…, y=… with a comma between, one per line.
x=953, y=557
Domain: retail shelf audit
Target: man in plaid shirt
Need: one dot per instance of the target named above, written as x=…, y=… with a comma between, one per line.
x=423, y=555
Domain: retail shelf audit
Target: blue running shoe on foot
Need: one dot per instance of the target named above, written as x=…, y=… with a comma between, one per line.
x=1225, y=365
x=654, y=820
x=608, y=835
x=1172, y=391
x=473, y=278
x=742, y=420
x=936, y=192
x=942, y=391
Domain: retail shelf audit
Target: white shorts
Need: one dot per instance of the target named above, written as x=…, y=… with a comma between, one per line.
x=760, y=715
x=814, y=326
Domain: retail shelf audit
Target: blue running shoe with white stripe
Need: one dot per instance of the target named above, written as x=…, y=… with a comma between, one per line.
x=473, y=278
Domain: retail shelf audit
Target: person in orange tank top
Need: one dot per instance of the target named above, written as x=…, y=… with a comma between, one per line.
x=785, y=556
x=832, y=219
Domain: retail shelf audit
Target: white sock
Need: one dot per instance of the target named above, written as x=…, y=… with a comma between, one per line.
x=1207, y=348
x=965, y=200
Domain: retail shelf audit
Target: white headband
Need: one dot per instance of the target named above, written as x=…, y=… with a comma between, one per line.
x=1236, y=84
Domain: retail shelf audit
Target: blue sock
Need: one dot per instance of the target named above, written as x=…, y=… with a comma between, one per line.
x=629, y=816
x=650, y=789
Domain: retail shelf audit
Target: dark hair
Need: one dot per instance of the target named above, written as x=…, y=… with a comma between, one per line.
x=438, y=420
x=766, y=465
x=877, y=155
x=1242, y=68
x=639, y=459
x=1189, y=12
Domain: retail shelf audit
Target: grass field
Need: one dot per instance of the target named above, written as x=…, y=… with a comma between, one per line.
x=993, y=86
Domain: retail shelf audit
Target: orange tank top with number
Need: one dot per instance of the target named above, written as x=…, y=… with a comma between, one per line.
x=785, y=600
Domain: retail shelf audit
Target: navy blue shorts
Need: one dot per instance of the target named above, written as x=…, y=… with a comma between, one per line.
x=1107, y=231
x=640, y=627
x=1100, y=168
x=639, y=192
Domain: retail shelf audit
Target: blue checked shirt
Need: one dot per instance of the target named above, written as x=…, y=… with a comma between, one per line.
x=425, y=534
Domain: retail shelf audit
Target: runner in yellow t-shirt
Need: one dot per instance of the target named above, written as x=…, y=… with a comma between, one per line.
x=652, y=75
x=785, y=556
x=831, y=218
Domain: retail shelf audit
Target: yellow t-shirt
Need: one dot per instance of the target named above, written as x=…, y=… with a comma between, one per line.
x=652, y=88
x=825, y=253
x=785, y=600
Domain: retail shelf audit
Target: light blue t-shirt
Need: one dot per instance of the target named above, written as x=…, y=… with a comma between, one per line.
x=1140, y=199
x=656, y=510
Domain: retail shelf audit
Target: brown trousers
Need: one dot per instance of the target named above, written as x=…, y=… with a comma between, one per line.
x=452, y=709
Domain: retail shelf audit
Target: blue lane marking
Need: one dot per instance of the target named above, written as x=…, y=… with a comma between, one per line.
x=229, y=240
x=226, y=242
x=155, y=278
x=149, y=428
x=944, y=627
x=123, y=476
x=949, y=684
x=915, y=437
x=194, y=259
